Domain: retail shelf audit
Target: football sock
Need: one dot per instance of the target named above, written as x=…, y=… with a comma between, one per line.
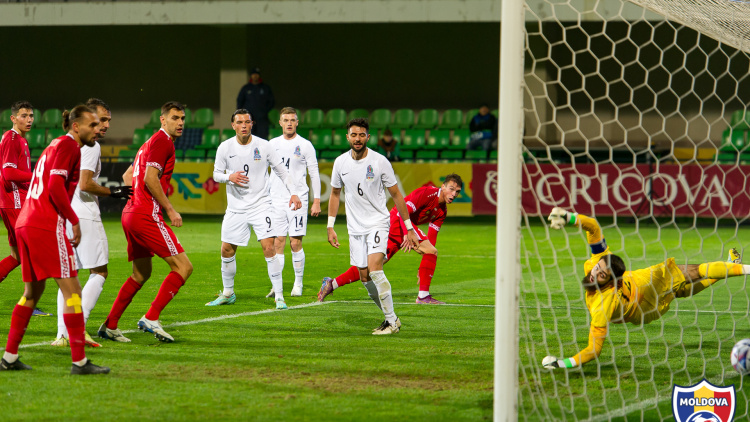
x=81, y=362
x=281, y=258
x=372, y=291
x=720, y=269
x=298, y=262
x=75, y=325
x=274, y=273
x=423, y=294
x=7, y=265
x=228, y=271
x=90, y=294
x=124, y=297
x=61, y=330
x=10, y=357
x=426, y=270
x=384, y=293
x=168, y=290
x=19, y=320
x=350, y=276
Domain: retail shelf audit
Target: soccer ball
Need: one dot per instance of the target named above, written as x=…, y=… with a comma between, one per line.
x=741, y=356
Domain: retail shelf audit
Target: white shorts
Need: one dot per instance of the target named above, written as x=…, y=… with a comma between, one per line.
x=93, y=251
x=293, y=223
x=360, y=246
x=235, y=229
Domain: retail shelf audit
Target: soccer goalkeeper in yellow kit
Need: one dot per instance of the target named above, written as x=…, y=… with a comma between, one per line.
x=614, y=295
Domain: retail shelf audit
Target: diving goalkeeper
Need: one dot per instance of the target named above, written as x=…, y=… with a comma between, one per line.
x=614, y=295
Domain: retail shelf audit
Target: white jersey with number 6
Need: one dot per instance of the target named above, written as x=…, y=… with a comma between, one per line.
x=298, y=156
x=365, y=181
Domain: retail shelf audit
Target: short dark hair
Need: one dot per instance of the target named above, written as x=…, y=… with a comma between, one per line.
x=241, y=111
x=359, y=122
x=171, y=105
x=453, y=177
x=93, y=103
x=18, y=105
x=288, y=110
x=617, y=268
x=70, y=116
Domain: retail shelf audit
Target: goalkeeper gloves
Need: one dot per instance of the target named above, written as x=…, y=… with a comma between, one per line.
x=558, y=218
x=551, y=362
x=123, y=192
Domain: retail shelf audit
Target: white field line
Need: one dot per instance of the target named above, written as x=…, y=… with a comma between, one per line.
x=264, y=311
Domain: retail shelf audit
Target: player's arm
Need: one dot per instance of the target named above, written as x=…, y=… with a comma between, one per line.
x=239, y=178
x=333, y=209
x=411, y=241
x=154, y=186
x=89, y=185
x=127, y=177
x=591, y=352
x=280, y=170
x=314, y=172
x=10, y=154
x=559, y=218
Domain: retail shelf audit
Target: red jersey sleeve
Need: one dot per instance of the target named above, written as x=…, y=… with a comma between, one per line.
x=158, y=155
x=65, y=160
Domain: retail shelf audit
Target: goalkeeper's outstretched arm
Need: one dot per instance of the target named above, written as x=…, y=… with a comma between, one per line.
x=591, y=352
x=560, y=218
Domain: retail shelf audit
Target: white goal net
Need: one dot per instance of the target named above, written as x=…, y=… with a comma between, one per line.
x=634, y=113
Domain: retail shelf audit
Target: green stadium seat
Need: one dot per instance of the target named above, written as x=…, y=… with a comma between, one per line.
x=493, y=155
x=460, y=139
x=427, y=119
x=37, y=138
x=452, y=155
x=380, y=118
x=359, y=113
x=211, y=155
x=321, y=138
x=452, y=119
x=311, y=119
x=211, y=139
x=195, y=155
x=37, y=118
x=403, y=119
x=154, y=122
x=373, y=143
x=203, y=118
x=5, y=121
x=227, y=133
x=439, y=139
x=413, y=139
x=476, y=155
x=329, y=154
x=426, y=155
x=53, y=134
x=36, y=152
x=51, y=118
x=733, y=142
x=140, y=136
x=339, y=140
x=468, y=116
x=407, y=155
x=188, y=117
x=273, y=116
x=740, y=120
x=495, y=113
x=126, y=155
x=335, y=119
x=275, y=133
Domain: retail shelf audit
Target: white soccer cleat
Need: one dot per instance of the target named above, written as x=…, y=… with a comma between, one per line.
x=114, y=335
x=271, y=294
x=388, y=328
x=297, y=290
x=154, y=327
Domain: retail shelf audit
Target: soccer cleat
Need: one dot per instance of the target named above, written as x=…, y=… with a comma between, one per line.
x=271, y=293
x=296, y=290
x=114, y=335
x=223, y=300
x=428, y=300
x=382, y=324
x=734, y=256
x=88, y=369
x=39, y=312
x=15, y=366
x=90, y=341
x=388, y=328
x=60, y=342
x=154, y=327
x=280, y=304
x=326, y=288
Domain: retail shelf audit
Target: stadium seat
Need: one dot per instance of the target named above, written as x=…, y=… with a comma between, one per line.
x=373, y=143
x=126, y=155
x=734, y=141
x=476, y=155
x=191, y=138
x=5, y=121
x=211, y=139
x=179, y=154
x=335, y=119
x=493, y=155
x=275, y=133
x=426, y=155
x=53, y=134
x=339, y=140
x=321, y=138
x=227, y=133
x=359, y=113
x=140, y=136
x=36, y=152
x=495, y=113
x=452, y=155
x=740, y=120
x=36, y=138
x=427, y=119
x=51, y=118
x=468, y=116
x=211, y=155
x=154, y=122
x=452, y=119
x=329, y=154
x=460, y=139
x=203, y=118
x=380, y=118
x=403, y=119
x=311, y=119
x=37, y=118
x=188, y=117
x=407, y=155
x=413, y=139
x=195, y=155
x=438, y=139
x=273, y=117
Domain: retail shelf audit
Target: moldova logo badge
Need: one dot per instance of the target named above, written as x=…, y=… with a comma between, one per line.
x=703, y=402
x=370, y=174
x=256, y=155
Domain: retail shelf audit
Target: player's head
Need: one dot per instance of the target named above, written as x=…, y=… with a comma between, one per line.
x=173, y=118
x=451, y=188
x=357, y=133
x=83, y=123
x=103, y=112
x=288, y=121
x=242, y=123
x=606, y=272
x=22, y=116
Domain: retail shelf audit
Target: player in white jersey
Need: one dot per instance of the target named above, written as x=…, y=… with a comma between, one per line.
x=364, y=173
x=298, y=156
x=242, y=163
x=92, y=253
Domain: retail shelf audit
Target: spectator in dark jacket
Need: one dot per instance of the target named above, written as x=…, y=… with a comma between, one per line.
x=483, y=129
x=389, y=147
x=257, y=98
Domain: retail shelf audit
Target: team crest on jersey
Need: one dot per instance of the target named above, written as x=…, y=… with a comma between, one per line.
x=256, y=155
x=703, y=402
x=297, y=152
x=370, y=174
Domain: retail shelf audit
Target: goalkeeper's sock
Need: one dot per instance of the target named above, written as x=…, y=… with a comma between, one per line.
x=426, y=271
x=350, y=276
x=722, y=270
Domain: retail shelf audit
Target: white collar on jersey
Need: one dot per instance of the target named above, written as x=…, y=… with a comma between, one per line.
x=71, y=136
x=16, y=132
x=165, y=132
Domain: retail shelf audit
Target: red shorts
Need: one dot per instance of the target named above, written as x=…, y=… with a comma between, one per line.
x=10, y=215
x=45, y=254
x=397, y=233
x=148, y=236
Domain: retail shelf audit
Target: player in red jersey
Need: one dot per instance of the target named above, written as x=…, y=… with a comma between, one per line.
x=427, y=204
x=42, y=244
x=145, y=230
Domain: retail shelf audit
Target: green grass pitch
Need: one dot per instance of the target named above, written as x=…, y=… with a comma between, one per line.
x=250, y=362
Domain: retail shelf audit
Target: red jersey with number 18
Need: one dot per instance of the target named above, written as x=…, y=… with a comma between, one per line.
x=62, y=158
x=14, y=153
x=157, y=152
